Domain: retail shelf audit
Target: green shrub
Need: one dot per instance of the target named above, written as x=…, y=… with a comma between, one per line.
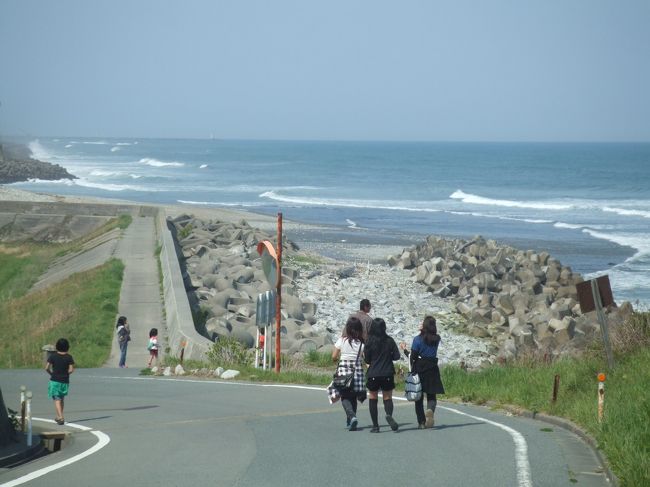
x=228, y=351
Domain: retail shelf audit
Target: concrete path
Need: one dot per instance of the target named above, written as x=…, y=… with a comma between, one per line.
x=140, y=299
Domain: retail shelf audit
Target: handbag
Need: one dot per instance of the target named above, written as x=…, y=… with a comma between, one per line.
x=343, y=383
x=413, y=387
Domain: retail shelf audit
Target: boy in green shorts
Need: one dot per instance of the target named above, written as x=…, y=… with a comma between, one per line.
x=59, y=365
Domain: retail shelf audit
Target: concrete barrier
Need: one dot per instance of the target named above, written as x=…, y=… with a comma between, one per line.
x=180, y=324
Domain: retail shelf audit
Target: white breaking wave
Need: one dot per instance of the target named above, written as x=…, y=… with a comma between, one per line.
x=99, y=142
x=216, y=203
x=115, y=149
x=156, y=163
x=39, y=152
x=67, y=182
x=570, y=226
x=103, y=173
x=203, y=166
x=480, y=200
x=68, y=146
x=350, y=223
x=124, y=143
x=114, y=187
x=625, y=212
x=381, y=205
x=639, y=242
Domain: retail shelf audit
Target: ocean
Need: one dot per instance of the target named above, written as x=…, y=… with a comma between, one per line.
x=587, y=204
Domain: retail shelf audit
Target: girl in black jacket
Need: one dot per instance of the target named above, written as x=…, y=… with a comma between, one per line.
x=379, y=353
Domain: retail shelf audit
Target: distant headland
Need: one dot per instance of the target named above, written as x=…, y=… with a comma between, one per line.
x=17, y=164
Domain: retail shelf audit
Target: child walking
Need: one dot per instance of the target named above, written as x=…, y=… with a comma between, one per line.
x=59, y=365
x=153, y=346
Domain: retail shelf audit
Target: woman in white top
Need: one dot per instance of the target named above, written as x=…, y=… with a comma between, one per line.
x=348, y=350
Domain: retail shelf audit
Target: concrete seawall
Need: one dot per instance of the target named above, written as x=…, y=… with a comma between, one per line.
x=180, y=324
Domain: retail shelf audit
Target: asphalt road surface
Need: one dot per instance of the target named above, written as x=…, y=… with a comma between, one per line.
x=146, y=431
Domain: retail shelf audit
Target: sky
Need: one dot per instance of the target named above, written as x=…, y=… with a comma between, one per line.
x=458, y=70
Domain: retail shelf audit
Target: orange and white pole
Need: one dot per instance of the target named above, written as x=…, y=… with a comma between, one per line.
x=601, y=396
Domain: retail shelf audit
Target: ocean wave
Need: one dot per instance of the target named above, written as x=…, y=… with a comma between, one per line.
x=115, y=187
x=218, y=203
x=124, y=143
x=68, y=146
x=39, y=152
x=570, y=226
x=102, y=173
x=203, y=166
x=96, y=142
x=115, y=148
x=351, y=224
x=626, y=212
x=156, y=163
x=639, y=241
x=369, y=204
x=65, y=182
x=480, y=200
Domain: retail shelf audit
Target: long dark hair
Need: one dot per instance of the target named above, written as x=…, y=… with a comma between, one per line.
x=429, y=331
x=121, y=321
x=354, y=329
x=377, y=337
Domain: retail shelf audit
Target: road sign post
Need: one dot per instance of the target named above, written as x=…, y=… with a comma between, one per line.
x=594, y=295
x=272, y=267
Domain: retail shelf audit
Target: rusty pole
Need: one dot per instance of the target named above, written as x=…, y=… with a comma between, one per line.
x=556, y=387
x=278, y=297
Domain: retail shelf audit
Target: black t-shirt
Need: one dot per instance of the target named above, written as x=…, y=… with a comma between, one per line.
x=60, y=364
x=381, y=358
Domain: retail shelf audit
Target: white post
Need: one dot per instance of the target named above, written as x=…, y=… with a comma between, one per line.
x=28, y=414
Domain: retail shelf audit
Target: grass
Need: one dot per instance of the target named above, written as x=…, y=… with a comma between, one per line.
x=624, y=435
x=81, y=308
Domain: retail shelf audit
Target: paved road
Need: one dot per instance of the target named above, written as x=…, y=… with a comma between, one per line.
x=183, y=432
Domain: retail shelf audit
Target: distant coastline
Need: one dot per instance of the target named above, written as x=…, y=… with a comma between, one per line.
x=17, y=164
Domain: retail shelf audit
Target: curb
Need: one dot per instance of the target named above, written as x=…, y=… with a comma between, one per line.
x=567, y=425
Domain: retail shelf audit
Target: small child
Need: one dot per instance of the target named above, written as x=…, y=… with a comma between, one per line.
x=59, y=365
x=153, y=346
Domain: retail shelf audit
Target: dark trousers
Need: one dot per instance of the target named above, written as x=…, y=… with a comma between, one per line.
x=419, y=407
x=350, y=407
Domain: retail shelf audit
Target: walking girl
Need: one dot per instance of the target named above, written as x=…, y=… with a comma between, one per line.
x=153, y=346
x=424, y=361
x=60, y=365
x=123, y=338
x=380, y=352
x=348, y=351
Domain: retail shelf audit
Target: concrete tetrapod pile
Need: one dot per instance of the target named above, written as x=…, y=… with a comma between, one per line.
x=525, y=301
x=223, y=276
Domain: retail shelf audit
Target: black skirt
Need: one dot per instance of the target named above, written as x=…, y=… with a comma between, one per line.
x=429, y=374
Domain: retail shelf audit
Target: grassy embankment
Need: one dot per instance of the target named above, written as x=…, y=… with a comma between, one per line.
x=624, y=435
x=77, y=308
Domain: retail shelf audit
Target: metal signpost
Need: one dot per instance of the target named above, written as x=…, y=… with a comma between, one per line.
x=263, y=317
x=594, y=295
x=272, y=266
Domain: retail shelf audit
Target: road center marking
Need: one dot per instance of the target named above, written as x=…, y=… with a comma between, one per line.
x=103, y=440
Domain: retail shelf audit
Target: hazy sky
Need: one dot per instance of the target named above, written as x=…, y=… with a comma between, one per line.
x=373, y=70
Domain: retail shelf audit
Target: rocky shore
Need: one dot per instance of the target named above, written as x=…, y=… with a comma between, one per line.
x=525, y=302
x=16, y=164
x=223, y=276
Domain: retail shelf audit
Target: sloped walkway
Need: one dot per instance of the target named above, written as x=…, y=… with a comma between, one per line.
x=140, y=299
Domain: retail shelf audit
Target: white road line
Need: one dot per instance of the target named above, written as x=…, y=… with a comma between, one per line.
x=522, y=463
x=103, y=440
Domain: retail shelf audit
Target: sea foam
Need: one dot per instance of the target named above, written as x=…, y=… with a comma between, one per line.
x=480, y=200
x=156, y=163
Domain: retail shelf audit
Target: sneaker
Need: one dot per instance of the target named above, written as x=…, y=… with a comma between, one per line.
x=393, y=424
x=59, y=421
x=428, y=423
x=374, y=429
x=353, y=424
x=421, y=426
